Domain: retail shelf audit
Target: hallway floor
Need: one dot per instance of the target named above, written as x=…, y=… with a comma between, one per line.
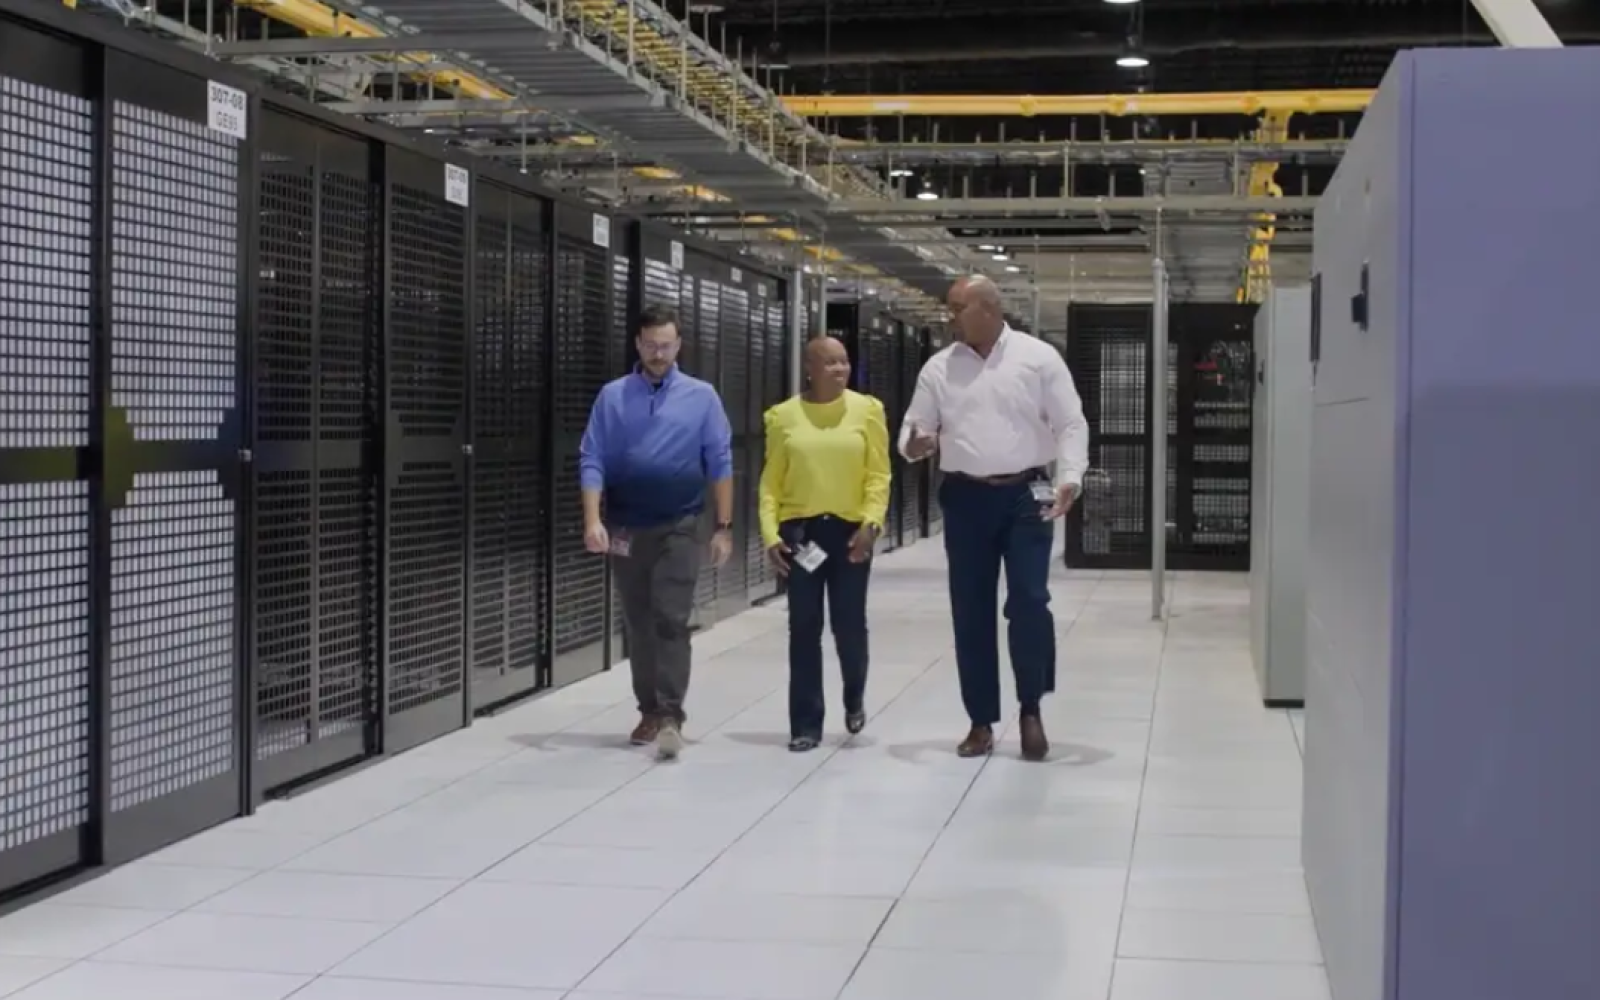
x=537, y=857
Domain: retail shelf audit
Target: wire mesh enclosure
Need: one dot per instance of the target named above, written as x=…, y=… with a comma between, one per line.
x=583, y=330
x=510, y=446
x=911, y=478
x=1213, y=382
x=1109, y=354
x=428, y=362
x=314, y=484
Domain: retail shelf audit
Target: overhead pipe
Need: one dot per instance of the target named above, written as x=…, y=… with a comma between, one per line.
x=1117, y=105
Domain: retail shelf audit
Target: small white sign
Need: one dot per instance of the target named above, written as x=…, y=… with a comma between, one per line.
x=877, y=324
x=227, y=109
x=676, y=255
x=736, y=276
x=761, y=291
x=602, y=231
x=457, y=185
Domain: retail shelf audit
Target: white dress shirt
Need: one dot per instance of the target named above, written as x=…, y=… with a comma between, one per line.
x=1013, y=411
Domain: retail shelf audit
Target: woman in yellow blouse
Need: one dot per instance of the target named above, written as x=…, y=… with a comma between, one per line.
x=824, y=493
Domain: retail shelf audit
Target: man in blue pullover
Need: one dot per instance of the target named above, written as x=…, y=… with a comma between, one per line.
x=655, y=438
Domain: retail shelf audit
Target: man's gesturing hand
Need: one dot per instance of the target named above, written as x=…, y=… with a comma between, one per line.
x=920, y=445
x=1065, y=495
x=596, y=539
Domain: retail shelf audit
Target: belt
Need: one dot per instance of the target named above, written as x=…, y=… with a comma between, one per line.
x=1008, y=479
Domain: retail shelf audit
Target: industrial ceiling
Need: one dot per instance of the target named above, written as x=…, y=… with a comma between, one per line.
x=1054, y=144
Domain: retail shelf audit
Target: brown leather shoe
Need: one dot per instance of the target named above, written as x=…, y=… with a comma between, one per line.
x=1035, y=745
x=979, y=743
x=645, y=732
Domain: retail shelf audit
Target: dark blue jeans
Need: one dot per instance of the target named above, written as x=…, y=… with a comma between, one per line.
x=842, y=586
x=985, y=526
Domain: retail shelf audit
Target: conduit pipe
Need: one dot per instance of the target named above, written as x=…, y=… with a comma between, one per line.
x=1029, y=105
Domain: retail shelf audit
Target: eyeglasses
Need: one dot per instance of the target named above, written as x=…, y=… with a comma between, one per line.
x=660, y=349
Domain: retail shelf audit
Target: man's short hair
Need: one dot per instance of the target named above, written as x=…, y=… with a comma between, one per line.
x=657, y=315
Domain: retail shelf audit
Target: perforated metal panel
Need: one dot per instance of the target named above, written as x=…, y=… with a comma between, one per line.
x=510, y=504
x=315, y=486
x=708, y=366
x=46, y=199
x=1109, y=358
x=757, y=574
x=1212, y=386
x=622, y=356
x=911, y=477
x=735, y=353
x=583, y=326
x=427, y=527
x=175, y=288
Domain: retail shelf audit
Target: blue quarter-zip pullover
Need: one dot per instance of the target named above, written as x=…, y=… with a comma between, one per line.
x=652, y=448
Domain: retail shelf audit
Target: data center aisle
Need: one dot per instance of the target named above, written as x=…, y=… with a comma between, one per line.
x=535, y=858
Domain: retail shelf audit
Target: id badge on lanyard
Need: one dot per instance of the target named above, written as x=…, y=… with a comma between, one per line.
x=621, y=544
x=810, y=556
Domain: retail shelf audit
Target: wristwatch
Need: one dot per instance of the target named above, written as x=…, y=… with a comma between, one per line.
x=724, y=525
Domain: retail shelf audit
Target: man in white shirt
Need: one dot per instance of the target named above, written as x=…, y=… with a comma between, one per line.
x=999, y=407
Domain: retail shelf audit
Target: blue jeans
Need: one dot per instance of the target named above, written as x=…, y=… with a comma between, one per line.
x=987, y=525
x=842, y=585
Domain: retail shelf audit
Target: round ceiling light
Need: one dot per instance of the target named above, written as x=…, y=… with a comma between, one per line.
x=927, y=196
x=1132, y=60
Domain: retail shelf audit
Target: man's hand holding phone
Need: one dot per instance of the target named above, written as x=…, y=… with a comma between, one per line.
x=920, y=444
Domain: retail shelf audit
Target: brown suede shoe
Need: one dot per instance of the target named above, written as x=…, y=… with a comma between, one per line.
x=1035, y=745
x=645, y=732
x=979, y=743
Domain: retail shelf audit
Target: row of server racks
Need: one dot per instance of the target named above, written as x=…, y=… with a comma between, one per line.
x=289, y=417
x=886, y=356
x=1211, y=380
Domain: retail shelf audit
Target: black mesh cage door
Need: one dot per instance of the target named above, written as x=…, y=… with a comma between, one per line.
x=911, y=476
x=1109, y=354
x=621, y=357
x=881, y=379
x=173, y=437
x=733, y=580
x=758, y=575
x=46, y=426
x=314, y=482
x=510, y=624
x=426, y=496
x=583, y=366
x=707, y=366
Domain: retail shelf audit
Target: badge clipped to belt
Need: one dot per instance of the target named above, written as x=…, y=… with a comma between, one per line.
x=809, y=556
x=1042, y=491
x=621, y=544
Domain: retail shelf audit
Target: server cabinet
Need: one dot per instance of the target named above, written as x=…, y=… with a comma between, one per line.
x=511, y=509
x=1211, y=361
x=427, y=364
x=52, y=532
x=314, y=478
x=622, y=354
x=704, y=272
x=583, y=359
x=911, y=478
x=1109, y=354
x=733, y=579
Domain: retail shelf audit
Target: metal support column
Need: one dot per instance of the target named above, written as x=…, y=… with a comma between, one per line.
x=1158, y=441
x=797, y=327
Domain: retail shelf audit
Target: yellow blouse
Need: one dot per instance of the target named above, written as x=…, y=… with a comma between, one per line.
x=825, y=458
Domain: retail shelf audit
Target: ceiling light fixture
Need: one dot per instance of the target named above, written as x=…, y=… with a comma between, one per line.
x=1120, y=2
x=1132, y=60
x=987, y=247
x=777, y=56
x=1001, y=256
x=1014, y=269
x=716, y=8
x=900, y=172
x=927, y=196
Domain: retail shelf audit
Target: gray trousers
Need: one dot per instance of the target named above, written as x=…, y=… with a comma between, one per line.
x=656, y=583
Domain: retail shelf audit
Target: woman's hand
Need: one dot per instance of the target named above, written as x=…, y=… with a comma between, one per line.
x=778, y=556
x=862, y=542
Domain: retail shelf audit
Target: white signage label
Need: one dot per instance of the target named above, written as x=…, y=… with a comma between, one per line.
x=677, y=255
x=602, y=231
x=457, y=185
x=227, y=109
x=761, y=291
x=737, y=276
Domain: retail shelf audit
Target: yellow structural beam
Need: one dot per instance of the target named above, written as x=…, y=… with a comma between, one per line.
x=320, y=21
x=1029, y=105
x=1257, y=277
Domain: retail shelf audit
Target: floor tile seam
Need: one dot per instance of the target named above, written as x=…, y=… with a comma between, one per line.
x=833, y=752
x=1138, y=809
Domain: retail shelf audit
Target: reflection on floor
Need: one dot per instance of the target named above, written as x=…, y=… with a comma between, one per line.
x=535, y=857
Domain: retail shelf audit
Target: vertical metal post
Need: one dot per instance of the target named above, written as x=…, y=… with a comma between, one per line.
x=797, y=326
x=1158, y=441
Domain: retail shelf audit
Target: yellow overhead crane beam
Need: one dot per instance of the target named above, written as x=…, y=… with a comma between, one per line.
x=320, y=21
x=1027, y=105
x=1257, y=276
